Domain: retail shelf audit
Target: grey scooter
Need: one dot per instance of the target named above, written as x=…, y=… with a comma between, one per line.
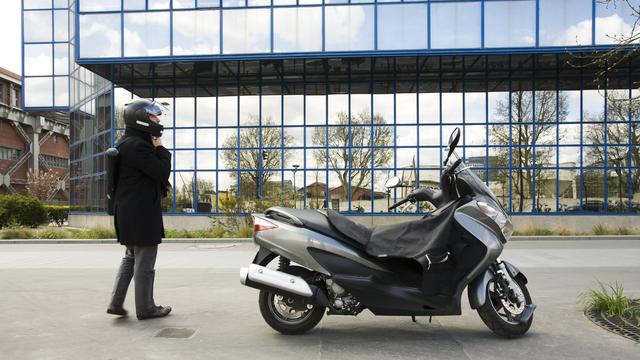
x=415, y=268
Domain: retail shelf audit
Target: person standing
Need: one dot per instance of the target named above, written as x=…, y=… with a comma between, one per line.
x=140, y=181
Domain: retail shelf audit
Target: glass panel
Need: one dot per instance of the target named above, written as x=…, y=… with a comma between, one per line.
x=37, y=4
x=38, y=91
x=570, y=101
x=184, y=191
x=349, y=28
x=402, y=26
x=615, y=22
x=297, y=29
x=99, y=35
x=208, y=3
x=565, y=22
x=429, y=108
x=60, y=4
x=406, y=108
x=316, y=111
x=61, y=59
x=510, y=23
x=158, y=4
x=593, y=191
x=635, y=188
x=206, y=111
x=206, y=158
x=383, y=108
x=246, y=31
x=134, y=4
x=272, y=109
x=146, y=34
x=184, y=112
x=250, y=110
x=196, y=32
x=206, y=189
x=37, y=59
x=293, y=109
x=183, y=4
x=206, y=138
x=338, y=109
x=61, y=25
x=593, y=105
x=455, y=25
x=474, y=107
x=184, y=139
x=61, y=91
x=99, y=5
x=37, y=26
x=569, y=189
x=452, y=108
x=227, y=111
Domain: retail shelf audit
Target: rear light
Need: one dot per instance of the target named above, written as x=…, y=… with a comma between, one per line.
x=262, y=225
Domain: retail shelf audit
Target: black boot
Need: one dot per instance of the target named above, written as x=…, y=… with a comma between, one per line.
x=116, y=310
x=157, y=312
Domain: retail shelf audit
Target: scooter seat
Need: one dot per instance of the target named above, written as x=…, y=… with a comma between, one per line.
x=318, y=221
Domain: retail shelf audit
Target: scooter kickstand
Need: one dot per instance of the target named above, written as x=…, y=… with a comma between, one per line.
x=413, y=318
x=430, y=319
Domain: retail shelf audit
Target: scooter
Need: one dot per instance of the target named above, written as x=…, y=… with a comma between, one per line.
x=329, y=263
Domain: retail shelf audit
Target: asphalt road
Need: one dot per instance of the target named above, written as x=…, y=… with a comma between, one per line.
x=53, y=298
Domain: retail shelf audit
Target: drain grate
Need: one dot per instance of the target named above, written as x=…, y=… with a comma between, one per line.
x=176, y=333
x=616, y=325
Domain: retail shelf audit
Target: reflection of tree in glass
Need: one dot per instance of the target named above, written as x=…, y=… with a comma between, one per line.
x=621, y=126
x=184, y=193
x=524, y=133
x=261, y=164
x=362, y=144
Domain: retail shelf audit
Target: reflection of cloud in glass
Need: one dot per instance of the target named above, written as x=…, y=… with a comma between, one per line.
x=455, y=25
x=99, y=5
x=406, y=108
x=38, y=92
x=99, y=35
x=37, y=59
x=246, y=31
x=196, y=32
x=402, y=26
x=146, y=34
x=61, y=92
x=349, y=28
x=612, y=29
x=578, y=34
x=297, y=29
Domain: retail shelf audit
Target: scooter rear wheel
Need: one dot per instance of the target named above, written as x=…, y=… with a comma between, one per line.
x=499, y=319
x=279, y=313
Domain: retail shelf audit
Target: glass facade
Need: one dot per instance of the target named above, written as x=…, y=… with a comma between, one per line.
x=313, y=103
x=132, y=29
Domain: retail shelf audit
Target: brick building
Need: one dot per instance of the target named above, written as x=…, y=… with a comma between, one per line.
x=30, y=142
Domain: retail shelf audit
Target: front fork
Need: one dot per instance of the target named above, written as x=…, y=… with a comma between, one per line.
x=507, y=287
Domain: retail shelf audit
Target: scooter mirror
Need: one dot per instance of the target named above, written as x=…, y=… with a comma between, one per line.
x=393, y=182
x=454, y=138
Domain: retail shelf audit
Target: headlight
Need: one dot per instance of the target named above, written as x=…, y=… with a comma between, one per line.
x=499, y=217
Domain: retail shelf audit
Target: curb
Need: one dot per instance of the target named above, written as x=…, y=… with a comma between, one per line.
x=250, y=240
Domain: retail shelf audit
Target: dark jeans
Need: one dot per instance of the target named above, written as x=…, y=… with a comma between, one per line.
x=138, y=263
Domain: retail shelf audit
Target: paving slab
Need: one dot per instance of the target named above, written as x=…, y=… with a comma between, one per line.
x=54, y=309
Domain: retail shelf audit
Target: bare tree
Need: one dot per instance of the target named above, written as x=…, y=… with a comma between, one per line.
x=43, y=184
x=624, y=49
x=262, y=163
x=623, y=128
x=353, y=147
x=528, y=137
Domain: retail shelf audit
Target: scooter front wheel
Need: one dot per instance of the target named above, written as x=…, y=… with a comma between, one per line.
x=287, y=315
x=503, y=316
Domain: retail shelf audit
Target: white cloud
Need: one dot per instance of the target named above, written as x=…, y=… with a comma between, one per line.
x=611, y=29
x=577, y=34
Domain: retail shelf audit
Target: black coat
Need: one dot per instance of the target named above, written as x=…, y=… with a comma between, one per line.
x=142, y=179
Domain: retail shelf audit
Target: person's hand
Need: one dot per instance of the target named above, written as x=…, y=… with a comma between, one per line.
x=156, y=141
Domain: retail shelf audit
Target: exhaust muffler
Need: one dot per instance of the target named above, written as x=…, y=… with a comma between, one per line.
x=260, y=277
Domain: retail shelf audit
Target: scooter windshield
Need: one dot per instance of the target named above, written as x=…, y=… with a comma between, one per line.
x=476, y=185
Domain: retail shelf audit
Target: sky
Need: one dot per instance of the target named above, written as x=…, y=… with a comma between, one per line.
x=11, y=22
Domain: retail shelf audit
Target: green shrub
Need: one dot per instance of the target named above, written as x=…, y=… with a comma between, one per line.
x=17, y=233
x=607, y=298
x=57, y=214
x=23, y=210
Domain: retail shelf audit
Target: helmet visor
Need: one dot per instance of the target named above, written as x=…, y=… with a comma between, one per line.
x=156, y=108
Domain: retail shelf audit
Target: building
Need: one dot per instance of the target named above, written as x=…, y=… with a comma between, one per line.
x=31, y=143
x=347, y=94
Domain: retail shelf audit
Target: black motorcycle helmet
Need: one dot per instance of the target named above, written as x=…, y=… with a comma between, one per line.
x=136, y=116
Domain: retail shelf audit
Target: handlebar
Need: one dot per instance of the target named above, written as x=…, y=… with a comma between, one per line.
x=454, y=166
x=403, y=201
